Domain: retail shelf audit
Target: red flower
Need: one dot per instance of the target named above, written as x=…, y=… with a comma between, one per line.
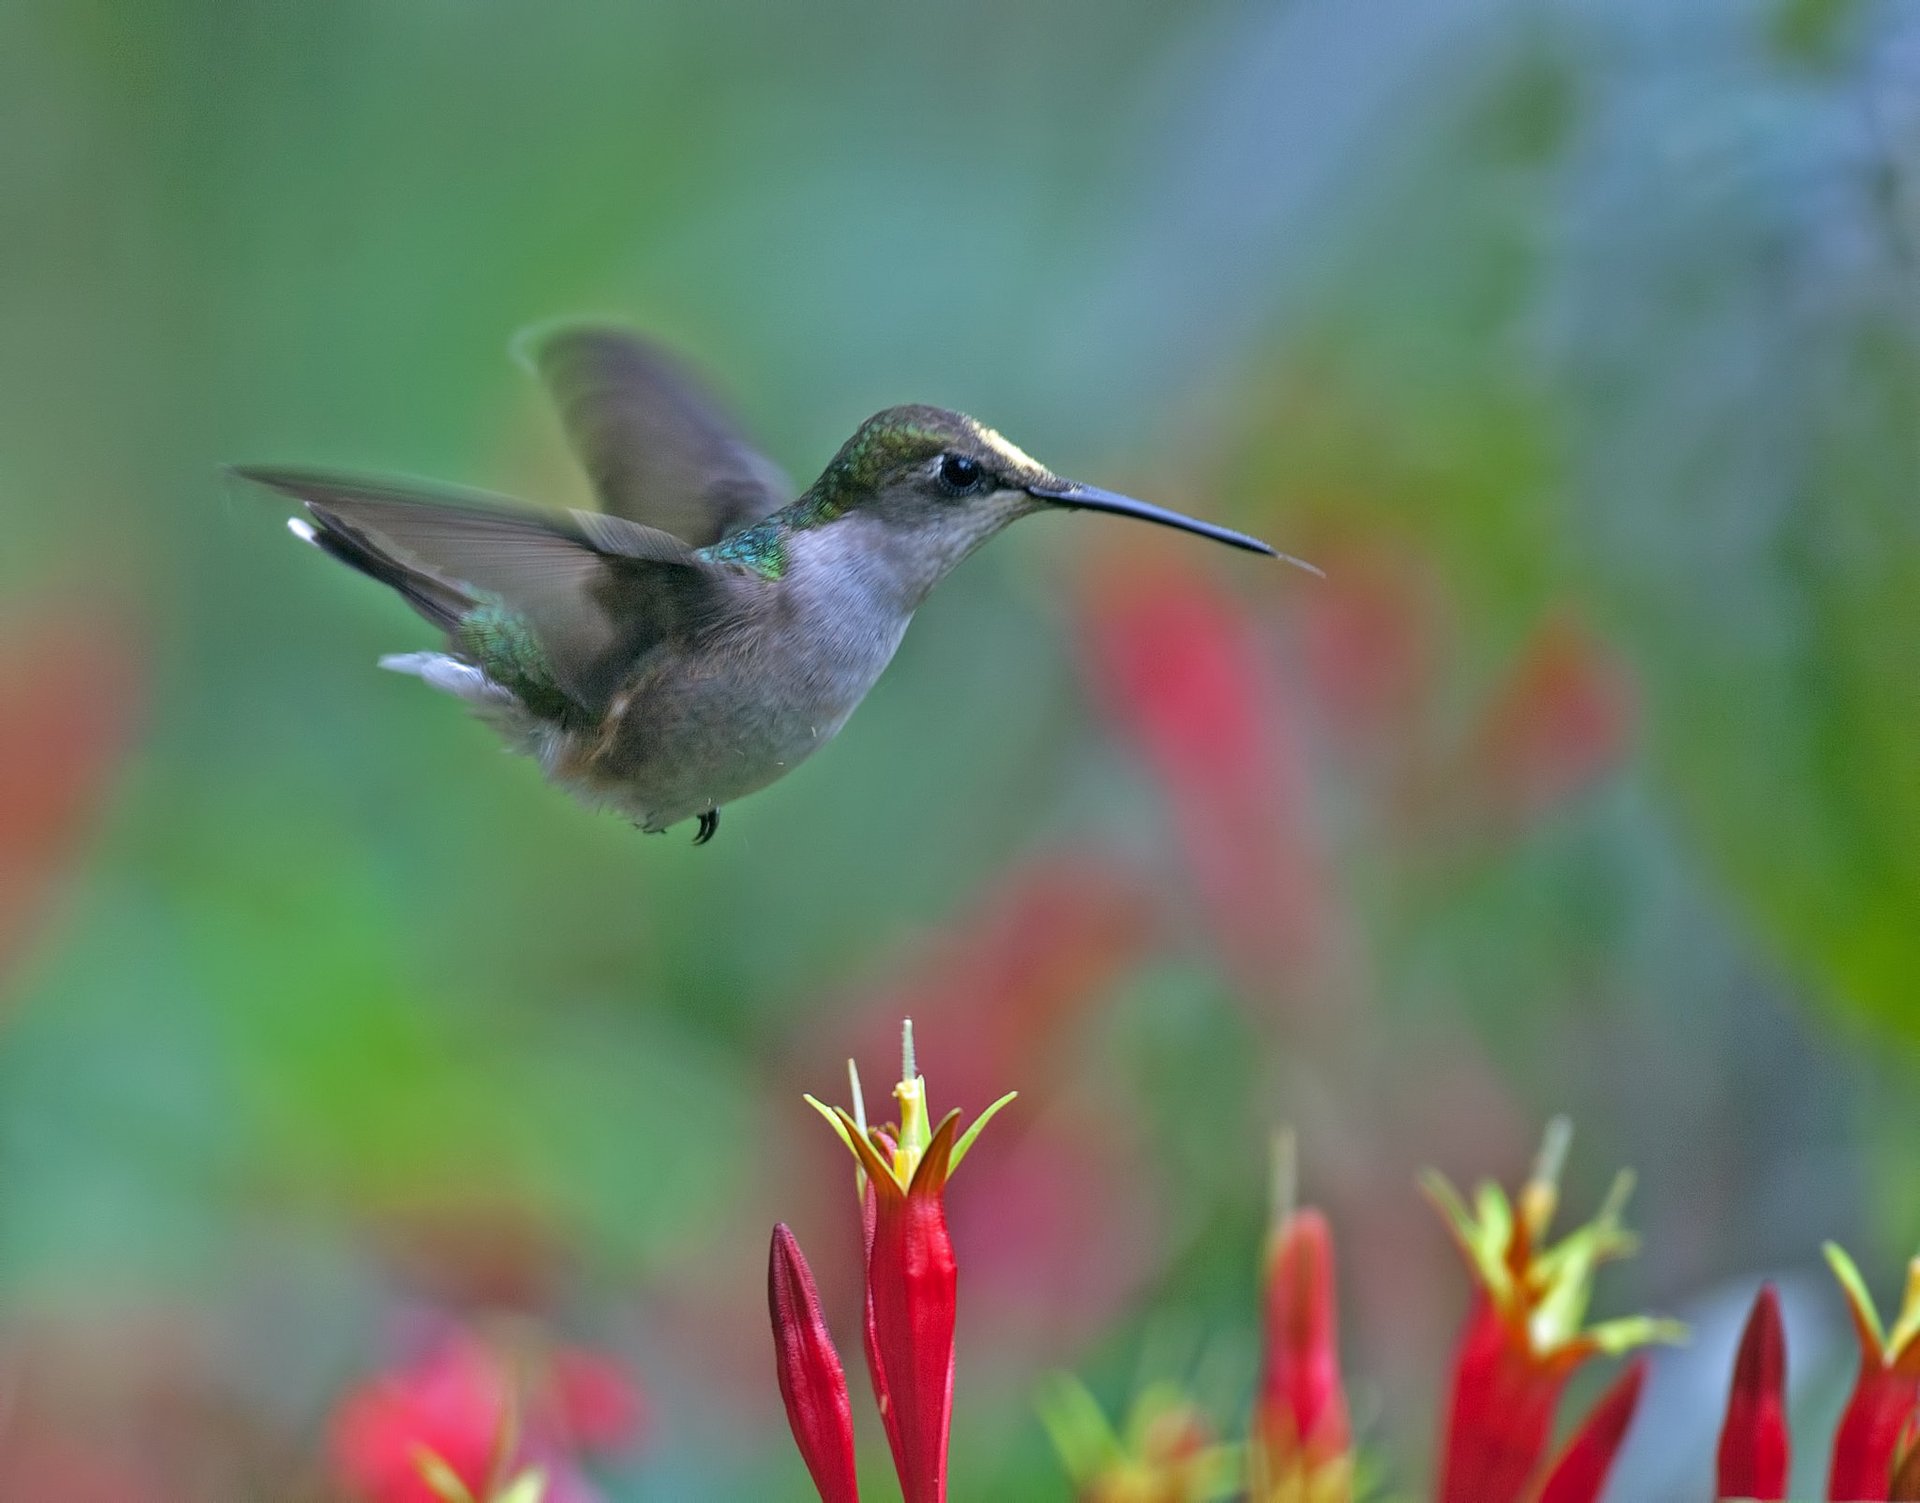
x=1301, y=1441
x=1525, y=1333
x=813, y=1385
x=1754, y=1444
x=911, y=1287
x=594, y=1400
x=911, y=1291
x=477, y=1417
x=451, y=1404
x=1886, y=1395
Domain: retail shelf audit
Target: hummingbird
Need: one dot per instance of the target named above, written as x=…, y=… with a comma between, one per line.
x=704, y=632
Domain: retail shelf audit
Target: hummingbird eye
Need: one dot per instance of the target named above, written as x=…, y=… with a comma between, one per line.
x=959, y=472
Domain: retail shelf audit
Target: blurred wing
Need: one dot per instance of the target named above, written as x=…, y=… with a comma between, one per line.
x=659, y=450
x=598, y=591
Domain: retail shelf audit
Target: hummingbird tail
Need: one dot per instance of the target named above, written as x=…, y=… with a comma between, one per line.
x=441, y=603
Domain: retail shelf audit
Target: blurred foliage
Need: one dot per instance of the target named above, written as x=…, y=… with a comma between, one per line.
x=1577, y=342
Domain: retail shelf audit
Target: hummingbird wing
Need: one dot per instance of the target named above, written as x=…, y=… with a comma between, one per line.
x=595, y=591
x=659, y=450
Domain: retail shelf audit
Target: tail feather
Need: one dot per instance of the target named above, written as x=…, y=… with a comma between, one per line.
x=440, y=602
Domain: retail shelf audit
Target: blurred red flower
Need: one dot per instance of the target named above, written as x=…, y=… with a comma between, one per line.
x=1183, y=669
x=1562, y=718
x=1524, y=1337
x=73, y=694
x=1301, y=1444
x=1876, y=1446
x=485, y=1411
x=1525, y=1334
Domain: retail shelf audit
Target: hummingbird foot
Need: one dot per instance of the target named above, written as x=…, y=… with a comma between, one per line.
x=709, y=822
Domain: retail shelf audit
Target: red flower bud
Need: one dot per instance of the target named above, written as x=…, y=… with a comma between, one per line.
x=813, y=1386
x=1300, y=1419
x=1754, y=1443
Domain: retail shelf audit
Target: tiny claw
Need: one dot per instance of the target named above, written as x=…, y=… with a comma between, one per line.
x=709, y=822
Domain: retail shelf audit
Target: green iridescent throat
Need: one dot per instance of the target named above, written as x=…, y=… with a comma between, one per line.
x=761, y=547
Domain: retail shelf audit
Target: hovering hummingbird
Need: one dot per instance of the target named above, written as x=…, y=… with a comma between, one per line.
x=703, y=634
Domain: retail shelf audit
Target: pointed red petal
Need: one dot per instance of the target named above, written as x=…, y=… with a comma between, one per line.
x=911, y=1288
x=1500, y=1412
x=1754, y=1443
x=1882, y=1404
x=1580, y=1475
x=869, y=1214
x=813, y=1385
x=1302, y=1404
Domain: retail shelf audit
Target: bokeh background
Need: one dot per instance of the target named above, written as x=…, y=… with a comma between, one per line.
x=1580, y=345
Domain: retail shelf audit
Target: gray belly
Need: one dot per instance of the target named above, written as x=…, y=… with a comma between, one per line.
x=687, y=737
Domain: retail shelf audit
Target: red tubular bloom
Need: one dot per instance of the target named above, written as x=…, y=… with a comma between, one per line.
x=1755, y=1448
x=1870, y=1426
x=1301, y=1432
x=1580, y=1475
x=1526, y=1333
x=911, y=1293
x=911, y=1280
x=1886, y=1395
x=813, y=1386
x=1499, y=1413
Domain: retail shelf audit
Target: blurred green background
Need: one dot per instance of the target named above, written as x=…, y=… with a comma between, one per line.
x=1579, y=343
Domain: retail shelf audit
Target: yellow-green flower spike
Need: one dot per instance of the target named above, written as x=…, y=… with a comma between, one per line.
x=897, y=1152
x=915, y=1129
x=1548, y=1286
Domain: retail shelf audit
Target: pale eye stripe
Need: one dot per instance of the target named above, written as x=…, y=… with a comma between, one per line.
x=1014, y=456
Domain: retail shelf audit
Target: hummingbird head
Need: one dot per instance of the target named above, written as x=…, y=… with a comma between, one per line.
x=943, y=484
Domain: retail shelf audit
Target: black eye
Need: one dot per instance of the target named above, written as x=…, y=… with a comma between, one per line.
x=958, y=472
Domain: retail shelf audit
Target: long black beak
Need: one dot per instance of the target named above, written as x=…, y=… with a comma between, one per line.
x=1091, y=498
